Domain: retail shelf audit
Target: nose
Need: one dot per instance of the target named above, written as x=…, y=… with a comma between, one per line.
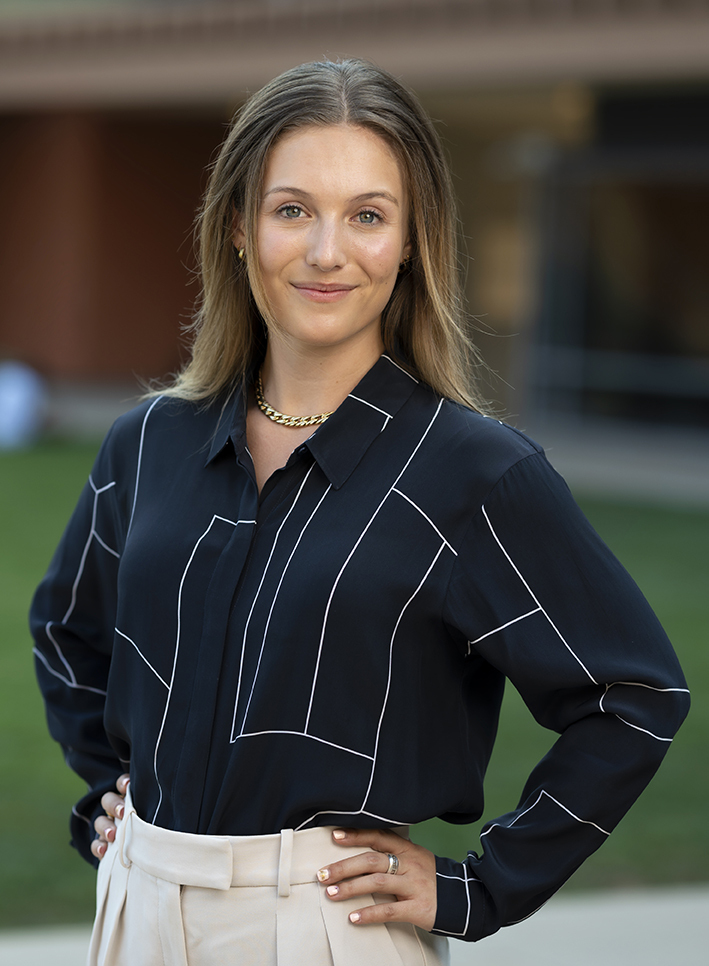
x=326, y=249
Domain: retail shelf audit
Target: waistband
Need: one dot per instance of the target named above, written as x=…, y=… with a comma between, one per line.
x=226, y=861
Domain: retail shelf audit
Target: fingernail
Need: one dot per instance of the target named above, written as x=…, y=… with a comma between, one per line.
x=339, y=834
x=355, y=917
x=332, y=890
x=101, y=849
x=110, y=834
x=120, y=809
x=324, y=875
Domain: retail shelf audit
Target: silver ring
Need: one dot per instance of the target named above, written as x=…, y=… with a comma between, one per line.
x=393, y=863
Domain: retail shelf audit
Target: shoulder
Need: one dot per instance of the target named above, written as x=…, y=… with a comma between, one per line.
x=484, y=444
x=459, y=457
x=164, y=416
x=161, y=426
x=495, y=437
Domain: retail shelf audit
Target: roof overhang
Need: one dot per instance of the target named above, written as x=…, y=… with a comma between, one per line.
x=215, y=52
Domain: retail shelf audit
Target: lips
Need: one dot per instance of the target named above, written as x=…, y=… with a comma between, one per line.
x=322, y=291
x=324, y=286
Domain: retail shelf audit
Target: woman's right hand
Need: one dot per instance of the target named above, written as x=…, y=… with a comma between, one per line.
x=114, y=805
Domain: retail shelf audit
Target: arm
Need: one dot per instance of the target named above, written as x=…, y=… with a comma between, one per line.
x=539, y=596
x=72, y=620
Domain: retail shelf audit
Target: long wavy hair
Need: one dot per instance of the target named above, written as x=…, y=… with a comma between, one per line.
x=424, y=324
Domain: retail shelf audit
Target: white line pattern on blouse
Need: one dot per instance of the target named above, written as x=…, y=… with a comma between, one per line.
x=92, y=533
x=427, y=518
x=534, y=598
x=177, y=649
x=566, y=644
x=106, y=547
x=273, y=604
x=515, y=620
x=387, y=419
x=140, y=462
x=158, y=676
x=644, y=730
x=79, y=815
x=300, y=734
x=543, y=793
x=305, y=733
x=466, y=885
x=71, y=681
x=638, y=684
x=389, y=359
x=391, y=656
x=354, y=548
x=256, y=597
x=372, y=406
x=444, y=544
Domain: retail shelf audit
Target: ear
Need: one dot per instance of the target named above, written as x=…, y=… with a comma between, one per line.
x=237, y=234
x=407, y=249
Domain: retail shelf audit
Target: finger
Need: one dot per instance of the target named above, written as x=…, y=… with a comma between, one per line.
x=105, y=828
x=113, y=805
x=366, y=863
x=416, y=910
x=363, y=885
x=379, y=839
x=123, y=783
x=388, y=912
x=98, y=848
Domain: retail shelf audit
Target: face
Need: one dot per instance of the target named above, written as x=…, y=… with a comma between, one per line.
x=332, y=232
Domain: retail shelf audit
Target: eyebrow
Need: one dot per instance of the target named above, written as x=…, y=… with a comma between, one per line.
x=366, y=196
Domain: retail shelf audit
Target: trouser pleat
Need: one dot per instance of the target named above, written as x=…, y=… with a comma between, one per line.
x=173, y=899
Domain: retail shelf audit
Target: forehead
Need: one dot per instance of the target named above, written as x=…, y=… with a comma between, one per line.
x=335, y=156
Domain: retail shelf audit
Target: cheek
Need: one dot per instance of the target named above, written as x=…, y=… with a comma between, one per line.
x=274, y=250
x=382, y=260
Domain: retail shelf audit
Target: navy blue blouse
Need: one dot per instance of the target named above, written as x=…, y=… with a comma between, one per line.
x=333, y=651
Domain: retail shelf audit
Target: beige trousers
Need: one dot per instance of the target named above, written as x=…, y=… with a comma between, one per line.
x=174, y=899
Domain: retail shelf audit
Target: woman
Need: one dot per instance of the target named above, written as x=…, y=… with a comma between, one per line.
x=292, y=631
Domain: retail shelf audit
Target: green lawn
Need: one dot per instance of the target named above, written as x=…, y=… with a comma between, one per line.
x=42, y=880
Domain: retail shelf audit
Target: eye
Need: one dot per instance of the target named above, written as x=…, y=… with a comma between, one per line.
x=291, y=211
x=368, y=217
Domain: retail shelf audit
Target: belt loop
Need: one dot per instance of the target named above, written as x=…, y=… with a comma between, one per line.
x=284, y=862
x=124, y=827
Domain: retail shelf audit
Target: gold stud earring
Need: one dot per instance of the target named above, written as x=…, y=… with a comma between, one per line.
x=241, y=253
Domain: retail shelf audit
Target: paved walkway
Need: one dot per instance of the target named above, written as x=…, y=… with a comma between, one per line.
x=649, y=927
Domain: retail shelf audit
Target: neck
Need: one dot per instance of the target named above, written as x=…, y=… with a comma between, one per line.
x=303, y=383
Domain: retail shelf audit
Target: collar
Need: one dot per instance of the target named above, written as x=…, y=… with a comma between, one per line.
x=341, y=442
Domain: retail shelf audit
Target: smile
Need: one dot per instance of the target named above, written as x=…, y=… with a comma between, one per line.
x=319, y=292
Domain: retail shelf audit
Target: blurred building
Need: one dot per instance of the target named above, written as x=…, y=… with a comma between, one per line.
x=578, y=132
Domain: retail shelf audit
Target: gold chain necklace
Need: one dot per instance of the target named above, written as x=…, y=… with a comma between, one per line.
x=281, y=418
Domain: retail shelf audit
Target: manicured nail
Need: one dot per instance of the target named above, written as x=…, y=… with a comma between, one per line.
x=339, y=834
x=355, y=917
x=332, y=890
x=110, y=834
x=101, y=849
x=324, y=875
x=120, y=809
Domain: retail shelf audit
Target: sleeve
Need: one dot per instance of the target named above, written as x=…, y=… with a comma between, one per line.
x=537, y=594
x=72, y=620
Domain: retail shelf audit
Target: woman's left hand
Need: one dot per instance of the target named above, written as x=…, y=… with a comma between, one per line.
x=414, y=883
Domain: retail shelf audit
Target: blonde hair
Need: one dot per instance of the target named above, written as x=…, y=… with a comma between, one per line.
x=424, y=325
